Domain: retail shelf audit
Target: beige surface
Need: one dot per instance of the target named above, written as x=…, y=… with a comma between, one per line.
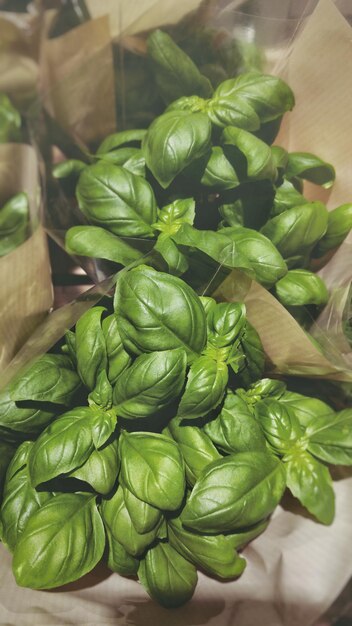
x=25, y=283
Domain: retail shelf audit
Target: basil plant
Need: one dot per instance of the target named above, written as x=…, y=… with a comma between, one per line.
x=153, y=442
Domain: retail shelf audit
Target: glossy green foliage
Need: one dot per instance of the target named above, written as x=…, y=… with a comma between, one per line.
x=21, y=419
x=311, y=483
x=97, y=242
x=144, y=517
x=196, y=447
x=339, y=225
x=90, y=346
x=253, y=356
x=259, y=161
x=214, y=554
x=226, y=322
x=310, y=167
x=10, y=121
x=330, y=437
x=14, y=221
x=52, y=378
x=300, y=288
x=101, y=396
x=7, y=451
x=119, y=560
x=173, y=141
x=150, y=384
x=117, y=200
x=205, y=388
x=235, y=429
x=286, y=197
x=219, y=172
x=307, y=409
x=175, y=73
x=68, y=442
x=265, y=388
x=152, y=468
x=279, y=423
x=117, y=357
x=61, y=542
x=157, y=311
x=235, y=492
x=101, y=468
x=122, y=138
x=20, y=499
x=167, y=576
x=67, y=169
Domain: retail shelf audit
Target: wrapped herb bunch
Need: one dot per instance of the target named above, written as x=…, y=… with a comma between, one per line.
x=153, y=442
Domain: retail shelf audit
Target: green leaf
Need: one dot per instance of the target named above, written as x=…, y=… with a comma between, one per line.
x=205, y=388
x=112, y=197
x=268, y=96
x=235, y=429
x=50, y=379
x=214, y=554
x=136, y=164
x=171, y=216
x=14, y=217
x=119, y=560
x=119, y=156
x=253, y=352
x=295, y=231
x=7, y=451
x=10, y=121
x=226, y=322
x=101, y=396
x=265, y=388
x=339, y=225
x=280, y=426
x=144, y=517
x=67, y=443
x=260, y=253
x=152, y=468
x=306, y=409
x=240, y=539
x=167, y=576
x=310, y=482
x=99, y=243
x=175, y=73
x=280, y=158
x=235, y=492
x=118, y=359
x=115, y=140
x=173, y=141
x=90, y=346
x=20, y=499
x=196, y=447
x=118, y=521
x=260, y=163
x=71, y=167
x=300, y=288
x=224, y=110
x=101, y=468
x=26, y=418
x=286, y=197
x=61, y=542
x=330, y=437
x=176, y=261
x=310, y=167
x=157, y=311
x=151, y=383
x=219, y=171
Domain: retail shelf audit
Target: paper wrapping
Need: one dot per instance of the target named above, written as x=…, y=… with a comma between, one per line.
x=25, y=283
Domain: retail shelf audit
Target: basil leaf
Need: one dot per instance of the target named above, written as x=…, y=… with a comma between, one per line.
x=235, y=492
x=50, y=379
x=219, y=171
x=152, y=468
x=205, y=388
x=306, y=409
x=224, y=110
x=167, y=576
x=67, y=443
x=119, y=156
x=280, y=425
x=280, y=158
x=23, y=418
x=71, y=167
x=118, y=359
x=90, y=346
x=61, y=542
x=157, y=311
x=213, y=554
x=175, y=73
x=20, y=499
x=225, y=323
x=300, y=288
x=97, y=242
x=101, y=468
x=310, y=167
x=173, y=141
x=196, y=448
x=178, y=212
x=13, y=223
x=119, y=560
x=176, y=261
x=268, y=96
x=260, y=163
x=10, y=121
x=144, y=517
x=253, y=352
x=115, y=140
x=249, y=205
x=286, y=197
x=235, y=429
x=330, y=437
x=339, y=225
x=7, y=451
x=240, y=539
x=310, y=482
x=69, y=347
x=136, y=164
x=265, y=388
x=117, y=520
x=101, y=396
x=259, y=252
x=295, y=231
x=117, y=200
x=151, y=383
